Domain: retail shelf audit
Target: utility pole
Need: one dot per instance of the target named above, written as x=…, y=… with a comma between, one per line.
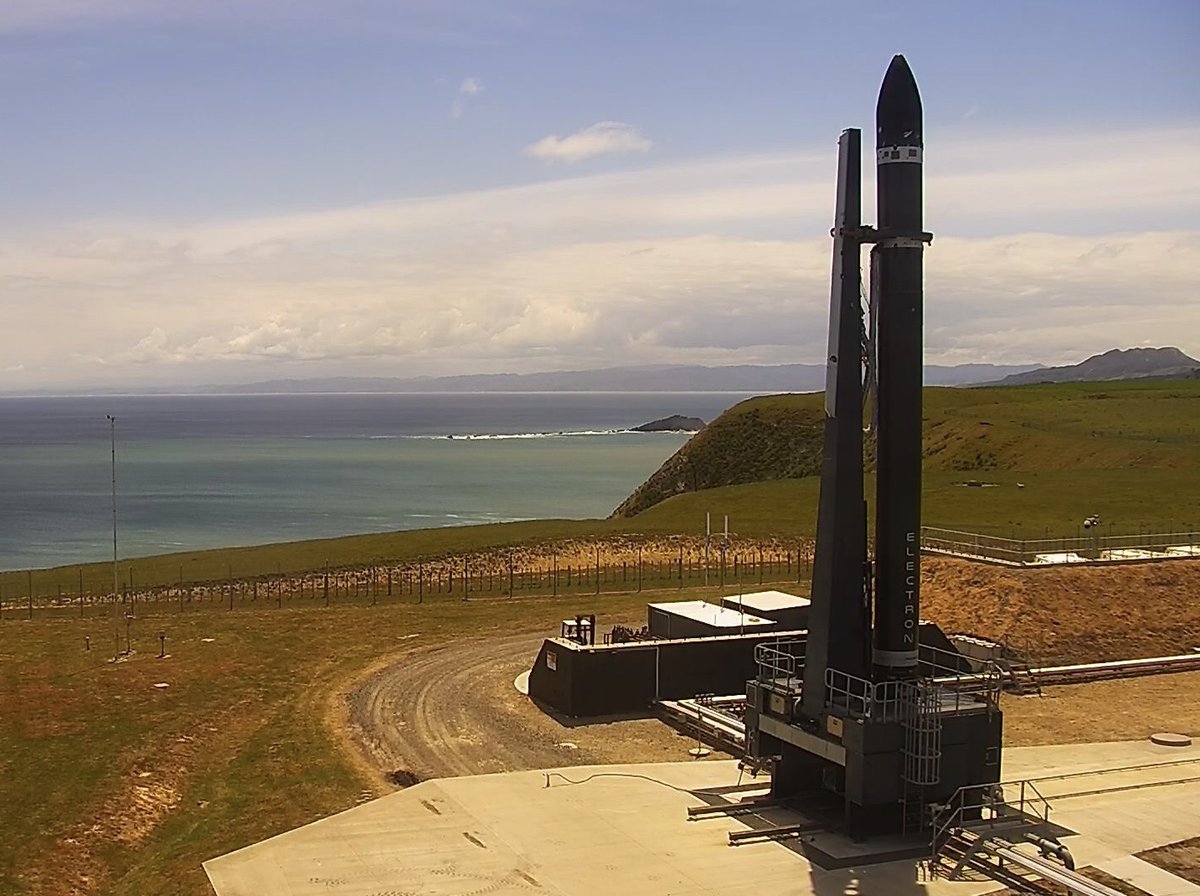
x=707, y=541
x=112, y=430
x=724, y=550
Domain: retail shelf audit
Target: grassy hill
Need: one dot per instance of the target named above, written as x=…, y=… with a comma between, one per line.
x=1116, y=364
x=775, y=437
x=1126, y=450
x=1099, y=438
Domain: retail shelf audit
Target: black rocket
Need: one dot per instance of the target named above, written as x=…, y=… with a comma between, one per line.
x=897, y=282
x=879, y=644
x=868, y=720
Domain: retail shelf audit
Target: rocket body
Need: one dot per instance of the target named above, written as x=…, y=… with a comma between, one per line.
x=898, y=268
x=889, y=769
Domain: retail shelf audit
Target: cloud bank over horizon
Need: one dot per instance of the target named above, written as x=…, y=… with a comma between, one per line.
x=1062, y=247
x=217, y=193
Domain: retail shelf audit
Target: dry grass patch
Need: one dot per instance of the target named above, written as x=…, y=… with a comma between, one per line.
x=1099, y=711
x=1068, y=615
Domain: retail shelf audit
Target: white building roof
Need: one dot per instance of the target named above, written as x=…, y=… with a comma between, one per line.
x=710, y=614
x=765, y=601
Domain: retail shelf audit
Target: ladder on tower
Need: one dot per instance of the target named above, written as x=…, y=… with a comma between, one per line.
x=922, y=755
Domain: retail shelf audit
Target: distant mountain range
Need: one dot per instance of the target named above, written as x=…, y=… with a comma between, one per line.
x=759, y=379
x=741, y=378
x=1117, y=364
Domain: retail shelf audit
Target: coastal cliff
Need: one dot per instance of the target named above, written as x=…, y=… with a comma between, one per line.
x=774, y=437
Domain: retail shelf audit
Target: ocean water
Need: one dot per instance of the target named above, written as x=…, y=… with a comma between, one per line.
x=202, y=471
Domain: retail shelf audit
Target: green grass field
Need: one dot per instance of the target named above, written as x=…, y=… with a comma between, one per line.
x=105, y=776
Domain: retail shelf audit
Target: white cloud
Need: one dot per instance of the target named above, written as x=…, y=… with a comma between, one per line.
x=602, y=138
x=468, y=89
x=713, y=261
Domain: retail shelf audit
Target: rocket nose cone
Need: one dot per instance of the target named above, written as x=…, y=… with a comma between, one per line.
x=898, y=112
x=898, y=68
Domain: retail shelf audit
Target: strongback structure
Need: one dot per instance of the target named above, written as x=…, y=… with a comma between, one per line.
x=861, y=709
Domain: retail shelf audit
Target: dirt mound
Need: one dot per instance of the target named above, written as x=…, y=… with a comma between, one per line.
x=1068, y=615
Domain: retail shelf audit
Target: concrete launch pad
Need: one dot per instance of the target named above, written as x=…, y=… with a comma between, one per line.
x=625, y=829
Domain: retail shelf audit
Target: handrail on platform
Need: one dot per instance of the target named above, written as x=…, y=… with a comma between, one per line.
x=779, y=657
x=1095, y=546
x=1031, y=808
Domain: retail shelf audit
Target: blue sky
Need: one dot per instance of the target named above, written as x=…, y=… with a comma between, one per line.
x=220, y=192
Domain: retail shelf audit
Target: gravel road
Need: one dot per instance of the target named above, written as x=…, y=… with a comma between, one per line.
x=453, y=710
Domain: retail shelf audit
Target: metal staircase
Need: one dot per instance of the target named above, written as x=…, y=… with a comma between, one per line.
x=997, y=858
x=967, y=851
x=1023, y=678
x=978, y=833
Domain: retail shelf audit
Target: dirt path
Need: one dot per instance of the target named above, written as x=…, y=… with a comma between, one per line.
x=434, y=712
x=453, y=710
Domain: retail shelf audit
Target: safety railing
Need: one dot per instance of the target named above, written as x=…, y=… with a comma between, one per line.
x=880, y=701
x=957, y=682
x=988, y=807
x=946, y=679
x=1092, y=546
x=780, y=659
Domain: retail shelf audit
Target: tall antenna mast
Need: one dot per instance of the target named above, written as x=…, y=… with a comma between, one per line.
x=112, y=429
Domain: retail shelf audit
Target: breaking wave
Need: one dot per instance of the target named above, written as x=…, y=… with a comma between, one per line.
x=496, y=436
x=501, y=436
